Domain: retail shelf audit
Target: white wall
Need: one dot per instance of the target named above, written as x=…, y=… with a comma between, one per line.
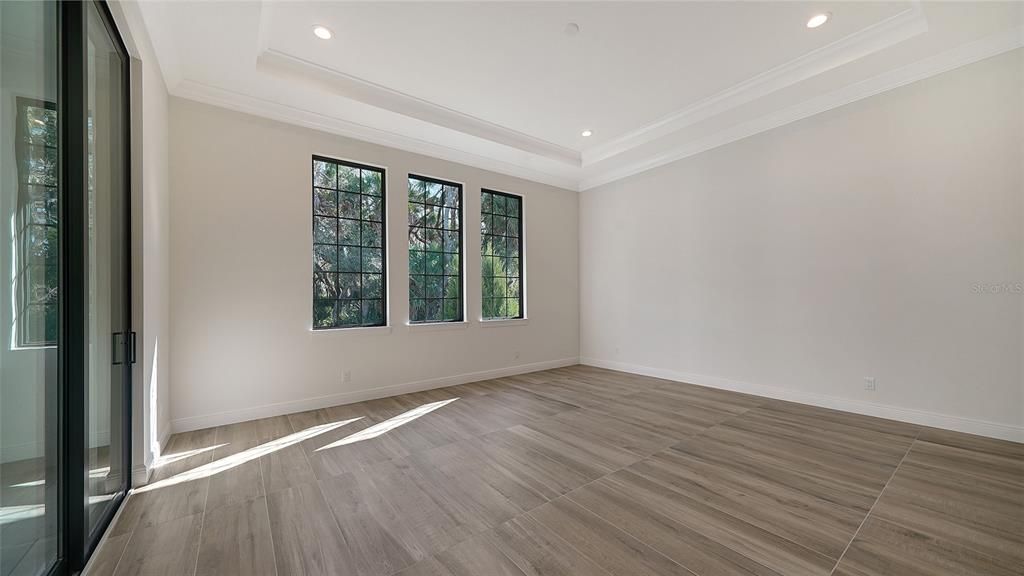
x=850, y=244
x=241, y=267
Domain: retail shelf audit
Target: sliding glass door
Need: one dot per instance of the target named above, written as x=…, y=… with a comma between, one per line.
x=107, y=311
x=67, y=346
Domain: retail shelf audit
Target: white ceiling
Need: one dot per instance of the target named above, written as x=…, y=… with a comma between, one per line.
x=502, y=86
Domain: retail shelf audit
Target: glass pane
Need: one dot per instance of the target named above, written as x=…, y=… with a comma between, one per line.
x=372, y=208
x=417, y=190
x=349, y=258
x=349, y=232
x=373, y=312
x=324, y=174
x=325, y=258
x=451, y=196
x=371, y=182
x=323, y=313
x=349, y=205
x=29, y=197
x=107, y=319
x=433, y=310
x=435, y=286
x=348, y=177
x=434, y=194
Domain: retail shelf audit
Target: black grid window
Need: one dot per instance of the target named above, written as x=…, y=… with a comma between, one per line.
x=37, y=277
x=435, y=250
x=501, y=254
x=349, y=245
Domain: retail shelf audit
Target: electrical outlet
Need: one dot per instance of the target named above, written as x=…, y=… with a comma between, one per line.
x=517, y=355
x=869, y=383
x=348, y=376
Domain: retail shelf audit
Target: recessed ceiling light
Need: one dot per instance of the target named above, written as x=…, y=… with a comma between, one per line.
x=572, y=29
x=322, y=32
x=587, y=133
x=818, y=20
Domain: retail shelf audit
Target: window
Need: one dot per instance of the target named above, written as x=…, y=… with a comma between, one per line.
x=349, y=245
x=501, y=254
x=37, y=222
x=435, y=250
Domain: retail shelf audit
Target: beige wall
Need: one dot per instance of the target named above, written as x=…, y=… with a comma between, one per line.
x=864, y=241
x=241, y=266
x=154, y=339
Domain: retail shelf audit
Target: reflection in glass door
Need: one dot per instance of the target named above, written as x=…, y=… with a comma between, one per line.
x=106, y=271
x=29, y=291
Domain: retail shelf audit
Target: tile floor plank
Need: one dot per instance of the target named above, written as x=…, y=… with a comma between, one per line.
x=478, y=556
x=688, y=547
x=617, y=552
x=307, y=540
x=236, y=541
x=762, y=546
x=883, y=549
x=538, y=551
x=166, y=549
x=360, y=512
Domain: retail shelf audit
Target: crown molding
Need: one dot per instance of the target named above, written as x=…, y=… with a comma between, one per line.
x=207, y=94
x=355, y=88
x=897, y=28
x=944, y=62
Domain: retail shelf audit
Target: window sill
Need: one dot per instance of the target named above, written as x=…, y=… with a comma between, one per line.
x=368, y=330
x=33, y=347
x=438, y=326
x=504, y=322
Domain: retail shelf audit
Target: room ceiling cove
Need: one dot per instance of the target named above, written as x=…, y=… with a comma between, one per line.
x=574, y=94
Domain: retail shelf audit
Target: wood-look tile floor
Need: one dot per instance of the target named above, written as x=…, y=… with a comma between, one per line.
x=575, y=471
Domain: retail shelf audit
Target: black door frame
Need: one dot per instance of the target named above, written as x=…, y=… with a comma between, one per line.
x=75, y=542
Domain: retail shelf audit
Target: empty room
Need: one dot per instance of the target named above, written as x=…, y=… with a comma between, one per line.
x=503, y=288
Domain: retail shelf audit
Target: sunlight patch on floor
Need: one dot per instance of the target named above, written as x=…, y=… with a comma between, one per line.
x=388, y=425
x=166, y=459
x=234, y=460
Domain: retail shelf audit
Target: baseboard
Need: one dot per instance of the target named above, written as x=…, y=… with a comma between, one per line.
x=140, y=475
x=164, y=438
x=909, y=415
x=279, y=409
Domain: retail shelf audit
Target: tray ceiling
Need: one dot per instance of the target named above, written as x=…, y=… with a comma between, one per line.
x=503, y=86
